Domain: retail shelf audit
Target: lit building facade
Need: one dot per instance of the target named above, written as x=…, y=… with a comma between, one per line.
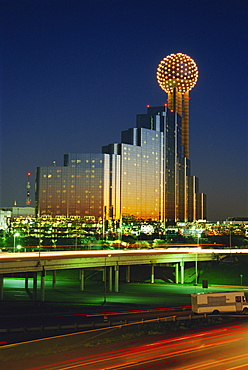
x=144, y=177
x=79, y=188
x=155, y=181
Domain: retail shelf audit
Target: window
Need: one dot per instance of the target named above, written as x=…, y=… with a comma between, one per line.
x=217, y=301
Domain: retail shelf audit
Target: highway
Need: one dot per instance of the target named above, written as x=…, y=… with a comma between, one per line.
x=176, y=249
x=220, y=347
x=29, y=327
x=54, y=260
x=40, y=261
x=35, y=261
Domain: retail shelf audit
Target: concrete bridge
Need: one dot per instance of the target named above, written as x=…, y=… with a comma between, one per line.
x=34, y=264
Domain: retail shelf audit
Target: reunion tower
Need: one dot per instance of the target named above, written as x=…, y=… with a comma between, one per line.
x=177, y=74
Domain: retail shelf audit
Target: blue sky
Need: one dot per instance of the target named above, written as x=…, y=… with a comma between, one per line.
x=75, y=73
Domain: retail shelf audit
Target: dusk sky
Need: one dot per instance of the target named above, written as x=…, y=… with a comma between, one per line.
x=75, y=73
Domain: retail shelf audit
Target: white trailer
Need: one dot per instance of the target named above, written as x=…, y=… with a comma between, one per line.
x=219, y=302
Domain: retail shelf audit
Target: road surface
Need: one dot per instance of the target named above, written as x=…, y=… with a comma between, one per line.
x=215, y=348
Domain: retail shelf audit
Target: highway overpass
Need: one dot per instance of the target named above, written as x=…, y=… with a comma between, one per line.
x=34, y=264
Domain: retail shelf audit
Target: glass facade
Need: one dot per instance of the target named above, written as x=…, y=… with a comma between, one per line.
x=201, y=206
x=174, y=166
x=154, y=171
x=141, y=192
x=80, y=187
x=196, y=201
x=146, y=176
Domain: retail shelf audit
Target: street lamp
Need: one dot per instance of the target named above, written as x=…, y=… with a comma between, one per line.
x=105, y=279
x=230, y=240
x=15, y=235
x=241, y=279
x=196, y=259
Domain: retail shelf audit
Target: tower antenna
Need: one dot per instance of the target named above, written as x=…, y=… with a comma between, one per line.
x=28, y=199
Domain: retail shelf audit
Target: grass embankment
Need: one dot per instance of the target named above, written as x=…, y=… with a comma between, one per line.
x=123, y=333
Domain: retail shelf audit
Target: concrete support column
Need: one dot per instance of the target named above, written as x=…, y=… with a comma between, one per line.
x=26, y=282
x=1, y=287
x=116, y=278
x=82, y=280
x=182, y=271
x=42, y=286
x=152, y=273
x=128, y=274
x=110, y=278
x=54, y=279
x=35, y=286
x=176, y=272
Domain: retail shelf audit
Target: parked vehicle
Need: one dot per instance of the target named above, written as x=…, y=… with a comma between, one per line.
x=219, y=302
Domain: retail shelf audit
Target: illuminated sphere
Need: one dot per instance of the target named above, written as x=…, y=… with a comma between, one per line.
x=177, y=70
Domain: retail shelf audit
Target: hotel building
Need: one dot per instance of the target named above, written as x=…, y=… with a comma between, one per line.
x=144, y=177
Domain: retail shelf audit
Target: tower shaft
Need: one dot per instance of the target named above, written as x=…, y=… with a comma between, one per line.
x=180, y=104
x=185, y=124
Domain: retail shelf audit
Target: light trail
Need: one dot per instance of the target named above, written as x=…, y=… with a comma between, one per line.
x=190, y=347
x=150, y=357
x=203, y=365
x=103, y=253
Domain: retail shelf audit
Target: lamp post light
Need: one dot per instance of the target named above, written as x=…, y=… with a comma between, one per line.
x=196, y=268
x=105, y=279
x=196, y=259
x=230, y=240
x=40, y=237
x=76, y=240
x=15, y=235
x=241, y=279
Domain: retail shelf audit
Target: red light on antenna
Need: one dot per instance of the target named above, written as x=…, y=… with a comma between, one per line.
x=172, y=110
x=165, y=105
x=29, y=173
x=147, y=105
